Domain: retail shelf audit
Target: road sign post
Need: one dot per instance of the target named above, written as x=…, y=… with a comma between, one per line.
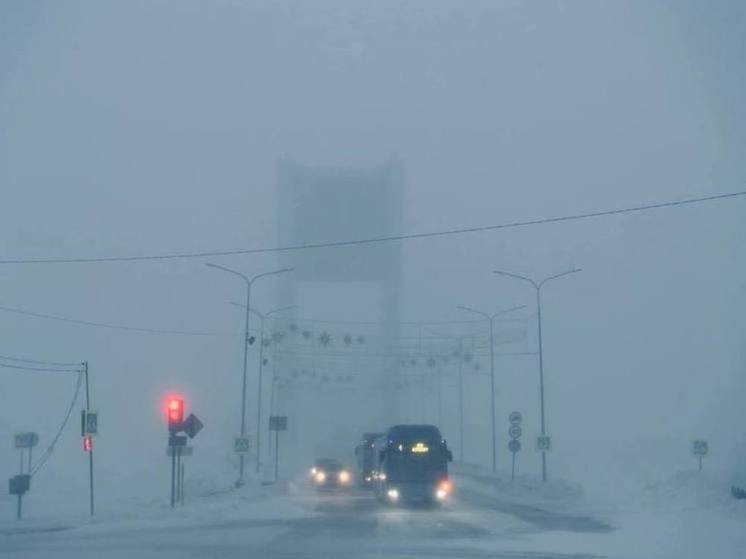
x=515, y=432
x=700, y=448
x=18, y=485
x=21, y=483
x=277, y=423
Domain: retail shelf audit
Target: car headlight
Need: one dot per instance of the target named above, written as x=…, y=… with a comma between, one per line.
x=344, y=476
x=320, y=477
x=393, y=494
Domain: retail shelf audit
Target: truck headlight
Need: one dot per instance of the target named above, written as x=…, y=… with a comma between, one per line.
x=444, y=489
x=320, y=477
x=344, y=476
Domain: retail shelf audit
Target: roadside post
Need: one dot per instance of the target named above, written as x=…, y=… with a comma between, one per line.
x=18, y=485
x=277, y=423
x=700, y=448
x=515, y=432
x=89, y=429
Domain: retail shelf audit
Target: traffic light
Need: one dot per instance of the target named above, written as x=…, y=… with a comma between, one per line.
x=88, y=443
x=175, y=408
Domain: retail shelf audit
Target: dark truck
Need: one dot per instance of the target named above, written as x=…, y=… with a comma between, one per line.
x=366, y=458
x=412, y=465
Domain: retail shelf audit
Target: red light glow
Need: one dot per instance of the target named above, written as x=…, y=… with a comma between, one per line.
x=175, y=409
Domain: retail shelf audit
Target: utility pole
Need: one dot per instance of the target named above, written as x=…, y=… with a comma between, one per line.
x=461, y=400
x=90, y=452
x=537, y=287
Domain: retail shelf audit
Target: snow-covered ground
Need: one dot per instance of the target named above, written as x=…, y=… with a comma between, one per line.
x=687, y=516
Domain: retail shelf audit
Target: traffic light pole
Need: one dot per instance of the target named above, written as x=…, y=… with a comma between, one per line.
x=181, y=490
x=173, y=476
x=179, y=480
x=90, y=452
x=277, y=455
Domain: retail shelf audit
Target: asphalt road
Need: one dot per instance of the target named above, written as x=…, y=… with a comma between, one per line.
x=330, y=526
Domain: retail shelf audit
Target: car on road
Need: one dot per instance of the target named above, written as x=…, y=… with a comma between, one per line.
x=329, y=473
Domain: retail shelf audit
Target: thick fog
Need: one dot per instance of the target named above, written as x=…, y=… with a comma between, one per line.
x=145, y=128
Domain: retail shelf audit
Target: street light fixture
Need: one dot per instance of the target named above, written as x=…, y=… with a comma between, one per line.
x=537, y=286
x=249, y=282
x=491, y=319
x=262, y=318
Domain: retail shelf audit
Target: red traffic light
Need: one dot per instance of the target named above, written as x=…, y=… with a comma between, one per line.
x=88, y=443
x=175, y=408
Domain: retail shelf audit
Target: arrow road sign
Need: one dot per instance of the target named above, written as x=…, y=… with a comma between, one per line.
x=515, y=418
x=26, y=440
x=515, y=432
x=192, y=426
x=241, y=445
x=514, y=446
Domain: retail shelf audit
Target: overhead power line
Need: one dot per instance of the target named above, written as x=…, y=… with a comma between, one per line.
x=38, y=369
x=39, y=464
x=37, y=362
x=382, y=239
x=113, y=326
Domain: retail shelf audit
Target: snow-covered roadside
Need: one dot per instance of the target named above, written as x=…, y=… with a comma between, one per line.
x=207, y=504
x=687, y=516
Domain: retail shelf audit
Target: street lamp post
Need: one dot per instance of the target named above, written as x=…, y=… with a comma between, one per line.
x=461, y=401
x=262, y=318
x=249, y=283
x=491, y=319
x=537, y=287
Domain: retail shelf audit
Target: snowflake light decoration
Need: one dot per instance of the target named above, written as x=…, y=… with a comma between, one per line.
x=325, y=339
